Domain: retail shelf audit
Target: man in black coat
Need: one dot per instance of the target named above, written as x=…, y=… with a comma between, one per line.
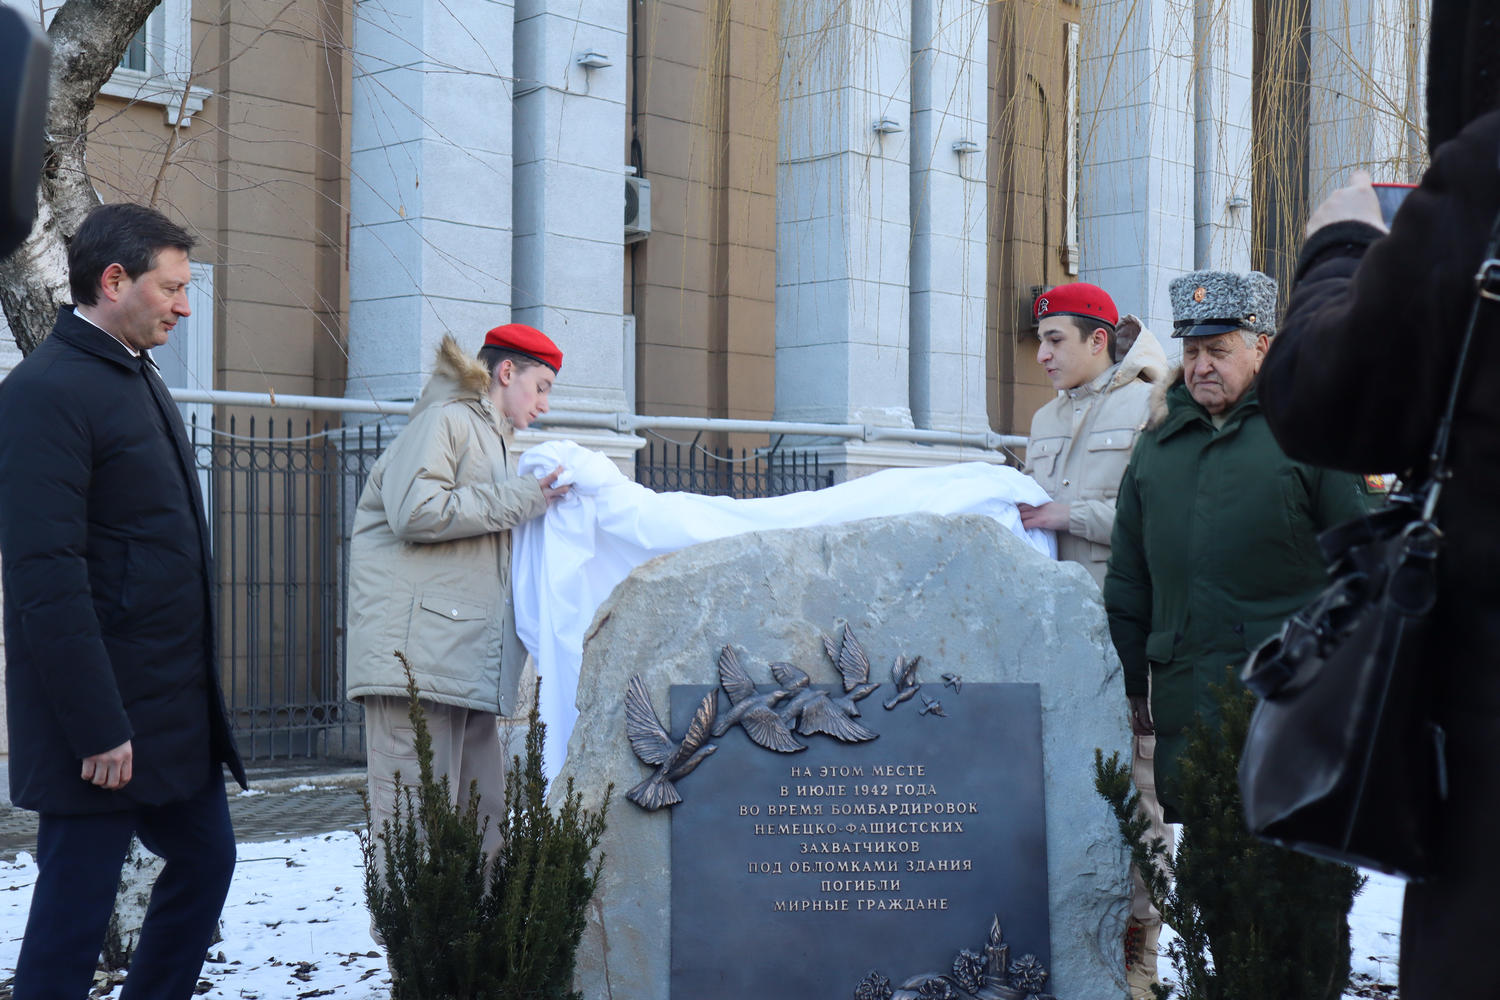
x=1358, y=379
x=117, y=722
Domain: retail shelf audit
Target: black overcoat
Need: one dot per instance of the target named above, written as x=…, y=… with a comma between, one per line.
x=1357, y=379
x=106, y=573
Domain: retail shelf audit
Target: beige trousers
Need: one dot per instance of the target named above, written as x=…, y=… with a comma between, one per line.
x=466, y=746
x=1143, y=773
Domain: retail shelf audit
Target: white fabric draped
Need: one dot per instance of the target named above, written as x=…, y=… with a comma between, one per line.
x=567, y=562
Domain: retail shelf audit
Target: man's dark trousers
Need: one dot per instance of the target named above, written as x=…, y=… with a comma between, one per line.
x=78, y=871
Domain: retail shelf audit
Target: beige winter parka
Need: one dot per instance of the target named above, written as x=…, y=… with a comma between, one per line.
x=1081, y=442
x=429, y=562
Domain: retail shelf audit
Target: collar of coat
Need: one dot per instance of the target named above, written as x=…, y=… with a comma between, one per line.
x=75, y=331
x=1173, y=407
x=1144, y=362
x=459, y=378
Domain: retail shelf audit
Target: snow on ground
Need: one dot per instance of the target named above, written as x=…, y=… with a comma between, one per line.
x=1375, y=932
x=295, y=925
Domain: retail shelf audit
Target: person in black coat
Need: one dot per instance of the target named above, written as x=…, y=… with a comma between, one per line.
x=1358, y=379
x=117, y=721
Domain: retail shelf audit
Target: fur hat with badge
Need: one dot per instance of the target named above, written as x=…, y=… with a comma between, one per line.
x=1208, y=303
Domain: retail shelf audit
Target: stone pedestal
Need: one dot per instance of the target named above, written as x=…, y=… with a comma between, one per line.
x=963, y=593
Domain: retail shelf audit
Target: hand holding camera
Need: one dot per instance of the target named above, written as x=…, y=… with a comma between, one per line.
x=1360, y=201
x=1355, y=203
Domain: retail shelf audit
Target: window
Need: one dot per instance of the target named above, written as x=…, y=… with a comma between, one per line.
x=135, y=53
x=186, y=361
x=157, y=64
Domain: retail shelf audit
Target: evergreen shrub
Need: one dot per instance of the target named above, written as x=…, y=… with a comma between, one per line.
x=1252, y=919
x=461, y=926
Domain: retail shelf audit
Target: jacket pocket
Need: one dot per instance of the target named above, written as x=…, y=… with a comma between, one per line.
x=449, y=635
x=1112, y=439
x=1108, y=453
x=1041, y=459
x=1159, y=646
x=1172, y=706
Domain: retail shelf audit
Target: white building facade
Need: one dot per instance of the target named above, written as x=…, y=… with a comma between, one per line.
x=1170, y=177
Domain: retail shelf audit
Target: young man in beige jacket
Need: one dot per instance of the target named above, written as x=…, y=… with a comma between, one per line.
x=429, y=570
x=1080, y=445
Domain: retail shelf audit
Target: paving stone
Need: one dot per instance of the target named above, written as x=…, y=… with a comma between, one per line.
x=291, y=801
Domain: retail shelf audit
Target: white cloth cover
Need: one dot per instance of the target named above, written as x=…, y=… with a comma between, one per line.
x=567, y=562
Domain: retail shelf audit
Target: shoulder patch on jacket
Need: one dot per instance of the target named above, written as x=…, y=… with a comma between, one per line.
x=1378, y=482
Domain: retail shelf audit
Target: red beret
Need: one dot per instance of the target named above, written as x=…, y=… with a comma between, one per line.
x=1078, y=299
x=527, y=340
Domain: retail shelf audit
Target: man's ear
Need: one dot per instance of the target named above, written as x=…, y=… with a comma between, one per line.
x=111, y=280
x=505, y=371
x=1098, y=340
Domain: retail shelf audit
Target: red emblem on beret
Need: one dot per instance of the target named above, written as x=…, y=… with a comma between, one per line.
x=527, y=340
x=1077, y=299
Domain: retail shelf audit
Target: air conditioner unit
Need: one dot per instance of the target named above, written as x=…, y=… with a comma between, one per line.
x=637, y=209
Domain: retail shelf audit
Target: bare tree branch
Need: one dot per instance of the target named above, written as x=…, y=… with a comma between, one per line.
x=88, y=39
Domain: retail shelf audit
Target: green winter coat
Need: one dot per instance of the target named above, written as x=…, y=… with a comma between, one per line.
x=1214, y=545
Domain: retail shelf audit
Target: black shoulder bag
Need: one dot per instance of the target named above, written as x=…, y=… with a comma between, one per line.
x=1343, y=760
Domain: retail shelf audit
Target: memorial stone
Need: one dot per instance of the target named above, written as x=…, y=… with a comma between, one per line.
x=1031, y=877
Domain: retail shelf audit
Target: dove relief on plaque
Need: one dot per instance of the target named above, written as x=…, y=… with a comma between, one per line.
x=777, y=716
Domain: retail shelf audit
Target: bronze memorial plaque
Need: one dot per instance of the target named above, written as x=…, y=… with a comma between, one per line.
x=869, y=865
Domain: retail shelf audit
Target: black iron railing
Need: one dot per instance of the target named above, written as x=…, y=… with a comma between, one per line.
x=763, y=472
x=282, y=501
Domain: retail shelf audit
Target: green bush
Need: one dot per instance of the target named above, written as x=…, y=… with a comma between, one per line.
x=460, y=926
x=1252, y=919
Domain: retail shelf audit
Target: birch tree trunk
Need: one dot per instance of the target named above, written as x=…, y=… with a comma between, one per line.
x=88, y=39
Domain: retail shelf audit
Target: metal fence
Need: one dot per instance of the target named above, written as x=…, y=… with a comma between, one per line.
x=769, y=472
x=282, y=501
x=282, y=506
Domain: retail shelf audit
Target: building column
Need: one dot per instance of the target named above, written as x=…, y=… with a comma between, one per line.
x=949, y=91
x=1224, y=53
x=1137, y=150
x=1366, y=101
x=569, y=195
x=843, y=219
x=430, y=188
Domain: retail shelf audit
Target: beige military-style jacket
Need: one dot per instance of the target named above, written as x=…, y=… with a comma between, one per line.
x=1081, y=442
x=429, y=561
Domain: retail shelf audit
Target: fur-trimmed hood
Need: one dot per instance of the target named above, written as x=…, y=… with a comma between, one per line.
x=1158, y=412
x=455, y=376
x=1145, y=360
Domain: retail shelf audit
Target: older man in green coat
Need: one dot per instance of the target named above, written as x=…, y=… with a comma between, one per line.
x=1215, y=535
